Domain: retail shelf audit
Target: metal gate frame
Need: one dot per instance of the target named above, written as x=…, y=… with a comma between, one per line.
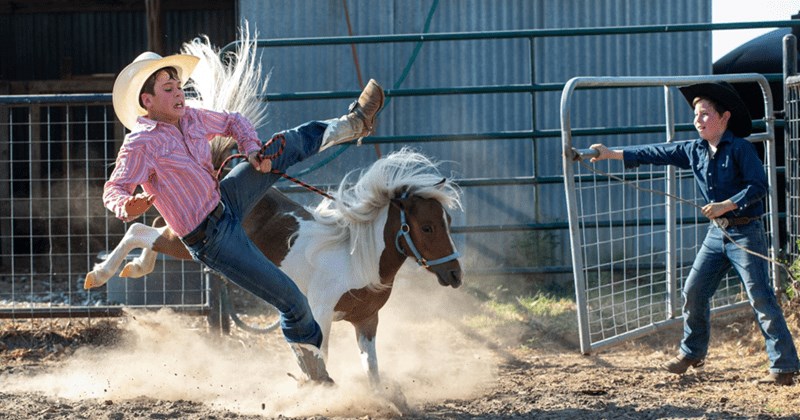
x=791, y=98
x=575, y=226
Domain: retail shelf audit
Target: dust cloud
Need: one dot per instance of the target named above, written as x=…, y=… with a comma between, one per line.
x=425, y=353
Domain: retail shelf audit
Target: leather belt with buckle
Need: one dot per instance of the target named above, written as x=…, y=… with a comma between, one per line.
x=199, y=233
x=738, y=221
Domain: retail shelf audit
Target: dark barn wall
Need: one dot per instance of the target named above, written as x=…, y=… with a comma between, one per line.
x=60, y=40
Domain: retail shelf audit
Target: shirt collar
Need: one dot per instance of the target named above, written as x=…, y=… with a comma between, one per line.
x=145, y=124
x=727, y=137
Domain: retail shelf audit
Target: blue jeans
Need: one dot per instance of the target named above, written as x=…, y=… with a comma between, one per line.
x=716, y=256
x=227, y=249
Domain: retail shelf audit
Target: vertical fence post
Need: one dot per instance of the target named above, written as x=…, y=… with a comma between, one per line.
x=673, y=303
x=789, y=139
x=574, y=225
x=5, y=190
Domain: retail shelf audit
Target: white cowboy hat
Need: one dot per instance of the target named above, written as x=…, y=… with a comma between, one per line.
x=131, y=79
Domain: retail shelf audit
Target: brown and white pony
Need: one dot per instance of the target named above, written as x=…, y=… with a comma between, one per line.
x=345, y=253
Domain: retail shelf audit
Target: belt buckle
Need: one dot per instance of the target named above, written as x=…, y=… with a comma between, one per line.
x=196, y=236
x=200, y=231
x=218, y=211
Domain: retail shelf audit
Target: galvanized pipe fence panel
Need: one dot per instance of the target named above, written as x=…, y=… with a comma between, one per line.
x=56, y=152
x=633, y=248
x=791, y=95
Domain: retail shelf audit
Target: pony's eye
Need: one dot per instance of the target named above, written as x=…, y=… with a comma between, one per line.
x=427, y=229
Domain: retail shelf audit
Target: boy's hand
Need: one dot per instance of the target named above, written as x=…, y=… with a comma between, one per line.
x=715, y=210
x=137, y=205
x=602, y=152
x=261, y=165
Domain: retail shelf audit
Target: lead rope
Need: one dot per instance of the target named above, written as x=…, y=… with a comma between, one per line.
x=721, y=224
x=262, y=154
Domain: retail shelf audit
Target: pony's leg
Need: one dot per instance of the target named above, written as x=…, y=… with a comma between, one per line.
x=167, y=243
x=323, y=314
x=365, y=335
x=140, y=266
x=137, y=236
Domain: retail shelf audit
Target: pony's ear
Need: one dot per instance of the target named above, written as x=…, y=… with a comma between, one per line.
x=440, y=184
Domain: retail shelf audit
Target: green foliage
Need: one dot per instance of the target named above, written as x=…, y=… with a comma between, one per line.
x=794, y=274
x=794, y=269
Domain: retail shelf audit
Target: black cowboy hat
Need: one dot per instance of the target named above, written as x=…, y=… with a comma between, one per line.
x=724, y=95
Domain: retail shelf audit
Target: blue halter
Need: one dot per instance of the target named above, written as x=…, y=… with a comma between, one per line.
x=404, y=232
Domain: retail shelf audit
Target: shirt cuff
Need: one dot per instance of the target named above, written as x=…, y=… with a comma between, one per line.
x=629, y=159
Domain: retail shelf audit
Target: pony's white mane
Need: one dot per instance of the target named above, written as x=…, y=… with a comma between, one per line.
x=232, y=84
x=349, y=219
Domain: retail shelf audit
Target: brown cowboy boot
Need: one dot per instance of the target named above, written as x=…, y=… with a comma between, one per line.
x=311, y=362
x=359, y=122
x=785, y=378
x=680, y=364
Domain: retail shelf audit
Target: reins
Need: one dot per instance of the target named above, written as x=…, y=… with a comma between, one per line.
x=263, y=155
x=578, y=156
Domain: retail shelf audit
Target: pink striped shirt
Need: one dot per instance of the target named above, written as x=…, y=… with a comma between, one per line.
x=174, y=167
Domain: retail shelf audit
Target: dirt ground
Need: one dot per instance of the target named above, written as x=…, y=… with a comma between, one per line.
x=436, y=362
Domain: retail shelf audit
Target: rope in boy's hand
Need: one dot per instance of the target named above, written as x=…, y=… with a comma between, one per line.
x=262, y=156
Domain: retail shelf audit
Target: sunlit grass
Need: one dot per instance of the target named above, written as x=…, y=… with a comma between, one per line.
x=542, y=305
x=538, y=314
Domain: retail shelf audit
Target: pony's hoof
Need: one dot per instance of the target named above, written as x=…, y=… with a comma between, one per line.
x=92, y=281
x=128, y=271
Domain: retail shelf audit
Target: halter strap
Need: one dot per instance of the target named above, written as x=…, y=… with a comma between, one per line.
x=404, y=232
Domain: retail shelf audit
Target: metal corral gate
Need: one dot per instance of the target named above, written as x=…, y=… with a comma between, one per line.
x=631, y=249
x=791, y=95
x=55, y=155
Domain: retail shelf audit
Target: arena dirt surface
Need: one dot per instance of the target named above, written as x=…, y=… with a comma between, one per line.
x=160, y=365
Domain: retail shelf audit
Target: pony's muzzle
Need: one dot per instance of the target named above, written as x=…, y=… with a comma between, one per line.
x=451, y=277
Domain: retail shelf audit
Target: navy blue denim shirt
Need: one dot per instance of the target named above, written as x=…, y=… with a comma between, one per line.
x=735, y=172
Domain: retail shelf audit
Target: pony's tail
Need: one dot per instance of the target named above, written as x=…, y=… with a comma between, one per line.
x=232, y=84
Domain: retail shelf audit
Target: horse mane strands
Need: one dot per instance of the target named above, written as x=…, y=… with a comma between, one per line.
x=387, y=178
x=232, y=88
x=230, y=85
x=349, y=218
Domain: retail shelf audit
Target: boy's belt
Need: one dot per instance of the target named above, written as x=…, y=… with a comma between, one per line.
x=738, y=221
x=199, y=233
